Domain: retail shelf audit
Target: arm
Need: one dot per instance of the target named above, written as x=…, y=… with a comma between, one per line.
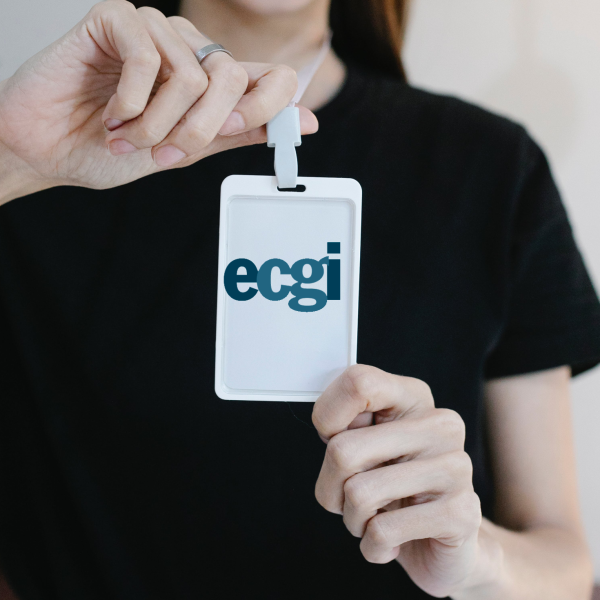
x=404, y=485
x=16, y=178
x=122, y=95
x=543, y=550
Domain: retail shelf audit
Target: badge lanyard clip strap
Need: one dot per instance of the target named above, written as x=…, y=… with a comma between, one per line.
x=283, y=130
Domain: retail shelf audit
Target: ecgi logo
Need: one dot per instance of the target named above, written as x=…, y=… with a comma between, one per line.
x=262, y=278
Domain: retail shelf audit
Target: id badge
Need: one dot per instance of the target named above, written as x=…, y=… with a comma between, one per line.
x=287, y=310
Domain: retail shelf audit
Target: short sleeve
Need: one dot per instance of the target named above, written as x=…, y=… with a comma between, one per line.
x=552, y=315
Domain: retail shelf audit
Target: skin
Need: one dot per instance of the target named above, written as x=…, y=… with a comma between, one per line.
x=122, y=96
x=395, y=468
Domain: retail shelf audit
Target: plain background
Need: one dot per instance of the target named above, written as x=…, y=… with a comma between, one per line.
x=536, y=61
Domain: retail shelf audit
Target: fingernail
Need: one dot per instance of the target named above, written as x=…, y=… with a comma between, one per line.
x=233, y=124
x=112, y=124
x=117, y=147
x=168, y=155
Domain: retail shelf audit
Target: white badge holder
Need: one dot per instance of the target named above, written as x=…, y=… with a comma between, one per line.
x=289, y=253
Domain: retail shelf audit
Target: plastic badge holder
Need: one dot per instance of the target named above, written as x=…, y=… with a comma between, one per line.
x=267, y=350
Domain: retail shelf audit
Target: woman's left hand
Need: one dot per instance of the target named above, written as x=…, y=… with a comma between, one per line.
x=403, y=485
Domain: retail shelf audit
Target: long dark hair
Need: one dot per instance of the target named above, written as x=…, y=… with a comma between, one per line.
x=367, y=33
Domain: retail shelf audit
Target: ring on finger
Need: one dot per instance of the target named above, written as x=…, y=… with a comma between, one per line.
x=209, y=49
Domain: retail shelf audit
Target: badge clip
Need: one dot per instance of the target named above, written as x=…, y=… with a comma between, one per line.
x=283, y=134
x=283, y=130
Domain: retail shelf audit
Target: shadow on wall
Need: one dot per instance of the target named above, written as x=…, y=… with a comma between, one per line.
x=535, y=91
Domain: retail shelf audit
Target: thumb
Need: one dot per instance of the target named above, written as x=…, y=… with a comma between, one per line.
x=308, y=125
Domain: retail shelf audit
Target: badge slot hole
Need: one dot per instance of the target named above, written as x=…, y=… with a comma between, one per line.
x=298, y=188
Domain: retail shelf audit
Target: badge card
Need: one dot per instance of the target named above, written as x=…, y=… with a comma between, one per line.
x=287, y=310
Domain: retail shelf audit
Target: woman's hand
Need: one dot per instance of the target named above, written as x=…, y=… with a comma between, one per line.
x=132, y=72
x=403, y=485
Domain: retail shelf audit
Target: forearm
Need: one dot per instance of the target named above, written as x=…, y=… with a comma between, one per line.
x=545, y=563
x=14, y=183
x=17, y=178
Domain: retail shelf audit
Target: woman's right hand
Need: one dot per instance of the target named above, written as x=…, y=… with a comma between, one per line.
x=122, y=96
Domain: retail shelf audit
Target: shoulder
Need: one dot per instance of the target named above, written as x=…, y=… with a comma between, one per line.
x=447, y=124
x=398, y=96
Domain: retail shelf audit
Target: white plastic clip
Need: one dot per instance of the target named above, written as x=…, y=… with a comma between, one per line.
x=283, y=134
x=283, y=130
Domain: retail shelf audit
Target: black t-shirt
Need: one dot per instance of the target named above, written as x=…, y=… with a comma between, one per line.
x=123, y=476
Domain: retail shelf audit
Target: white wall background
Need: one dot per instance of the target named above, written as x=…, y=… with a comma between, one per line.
x=537, y=61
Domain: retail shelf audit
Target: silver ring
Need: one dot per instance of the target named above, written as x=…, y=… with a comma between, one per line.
x=204, y=52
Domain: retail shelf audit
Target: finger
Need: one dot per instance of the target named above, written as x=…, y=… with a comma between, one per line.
x=436, y=432
x=270, y=89
x=118, y=31
x=451, y=521
x=183, y=81
x=367, y=389
x=362, y=420
x=366, y=493
x=308, y=124
x=227, y=82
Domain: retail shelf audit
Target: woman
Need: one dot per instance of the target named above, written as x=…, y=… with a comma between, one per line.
x=125, y=477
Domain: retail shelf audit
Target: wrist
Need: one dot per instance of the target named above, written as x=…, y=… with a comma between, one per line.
x=17, y=178
x=489, y=578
